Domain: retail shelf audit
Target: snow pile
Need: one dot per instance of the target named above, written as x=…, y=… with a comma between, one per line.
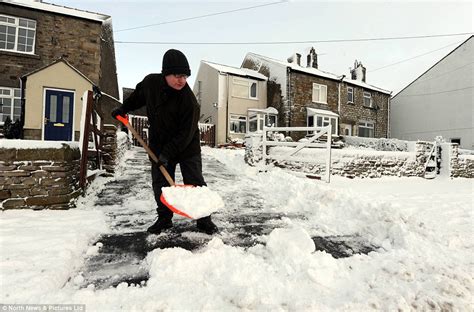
x=379, y=144
x=421, y=229
x=40, y=249
x=194, y=201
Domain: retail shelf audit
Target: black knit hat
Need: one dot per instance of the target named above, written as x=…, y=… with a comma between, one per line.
x=174, y=62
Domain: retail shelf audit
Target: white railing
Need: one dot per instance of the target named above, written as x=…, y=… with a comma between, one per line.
x=298, y=146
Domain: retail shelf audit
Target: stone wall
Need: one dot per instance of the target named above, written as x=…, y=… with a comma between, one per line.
x=110, y=147
x=39, y=178
x=365, y=163
x=462, y=166
x=352, y=113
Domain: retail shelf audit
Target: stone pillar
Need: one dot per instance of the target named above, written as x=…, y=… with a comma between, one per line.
x=253, y=148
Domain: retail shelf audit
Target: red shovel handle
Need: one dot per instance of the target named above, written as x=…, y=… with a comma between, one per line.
x=122, y=119
x=165, y=173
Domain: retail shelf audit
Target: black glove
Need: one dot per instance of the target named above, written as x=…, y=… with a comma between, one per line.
x=118, y=111
x=162, y=160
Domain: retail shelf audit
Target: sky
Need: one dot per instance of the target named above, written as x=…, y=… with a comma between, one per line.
x=198, y=28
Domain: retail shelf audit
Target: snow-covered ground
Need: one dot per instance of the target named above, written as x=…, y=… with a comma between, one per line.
x=423, y=230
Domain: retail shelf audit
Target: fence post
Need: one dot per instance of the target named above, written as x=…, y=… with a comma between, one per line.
x=328, y=156
x=85, y=139
x=264, y=146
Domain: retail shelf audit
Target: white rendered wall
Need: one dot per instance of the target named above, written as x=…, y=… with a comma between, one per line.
x=439, y=103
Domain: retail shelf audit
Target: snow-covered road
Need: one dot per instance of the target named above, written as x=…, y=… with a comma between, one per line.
x=265, y=257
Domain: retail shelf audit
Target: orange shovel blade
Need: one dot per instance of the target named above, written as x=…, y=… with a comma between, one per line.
x=171, y=207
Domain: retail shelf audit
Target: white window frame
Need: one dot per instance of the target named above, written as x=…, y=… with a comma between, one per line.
x=260, y=120
x=12, y=98
x=19, y=24
x=350, y=91
x=368, y=95
x=237, y=118
x=247, y=83
x=366, y=125
x=322, y=92
x=320, y=120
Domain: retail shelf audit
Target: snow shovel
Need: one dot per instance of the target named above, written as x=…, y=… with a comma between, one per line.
x=180, y=198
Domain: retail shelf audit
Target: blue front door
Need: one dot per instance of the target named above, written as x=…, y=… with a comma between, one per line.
x=58, y=115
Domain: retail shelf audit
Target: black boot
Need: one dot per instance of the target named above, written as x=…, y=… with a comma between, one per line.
x=163, y=223
x=206, y=225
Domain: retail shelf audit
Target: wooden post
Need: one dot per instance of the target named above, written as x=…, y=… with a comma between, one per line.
x=85, y=141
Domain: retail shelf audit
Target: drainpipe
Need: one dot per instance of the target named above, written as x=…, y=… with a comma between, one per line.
x=388, y=116
x=339, y=95
x=288, y=95
x=22, y=102
x=227, y=110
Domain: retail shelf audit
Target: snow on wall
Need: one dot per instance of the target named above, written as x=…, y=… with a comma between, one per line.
x=462, y=166
x=39, y=178
x=381, y=144
x=34, y=144
x=357, y=159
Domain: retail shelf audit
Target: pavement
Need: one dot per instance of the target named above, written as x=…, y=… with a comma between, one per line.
x=127, y=200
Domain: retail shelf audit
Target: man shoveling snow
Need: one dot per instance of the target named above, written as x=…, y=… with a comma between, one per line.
x=173, y=114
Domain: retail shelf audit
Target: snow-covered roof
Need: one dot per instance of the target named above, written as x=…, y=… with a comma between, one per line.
x=365, y=85
x=317, y=72
x=315, y=111
x=268, y=110
x=294, y=66
x=236, y=71
x=49, y=7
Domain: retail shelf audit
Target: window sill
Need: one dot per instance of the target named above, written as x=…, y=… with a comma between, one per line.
x=350, y=103
x=323, y=103
x=20, y=54
x=245, y=98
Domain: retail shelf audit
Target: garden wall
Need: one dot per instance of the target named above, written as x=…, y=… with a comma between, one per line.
x=38, y=174
x=370, y=158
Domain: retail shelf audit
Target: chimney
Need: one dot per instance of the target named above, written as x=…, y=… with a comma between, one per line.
x=358, y=72
x=312, y=59
x=294, y=57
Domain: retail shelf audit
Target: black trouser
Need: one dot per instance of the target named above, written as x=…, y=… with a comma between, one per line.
x=191, y=170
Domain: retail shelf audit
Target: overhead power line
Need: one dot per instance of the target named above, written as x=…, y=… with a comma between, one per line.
x=440, y=92
x=414, y=57
x=201, y=16
x=293, y=42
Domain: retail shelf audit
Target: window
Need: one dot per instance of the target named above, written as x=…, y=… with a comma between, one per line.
x=350, y=95
x=10, y=105
x=456, y=141
x=320, y=93
x=323, y=121
x=258, y=120
x=245, y=88
x=366, y=129
x=238, y=124
x=367, y=99
x=17, y=34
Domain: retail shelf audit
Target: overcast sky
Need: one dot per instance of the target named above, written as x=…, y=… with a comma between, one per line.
x=391, y=64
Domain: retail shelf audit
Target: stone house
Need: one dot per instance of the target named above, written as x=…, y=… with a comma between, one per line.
x=305, y=96
x=61, y=46
x=233, y=99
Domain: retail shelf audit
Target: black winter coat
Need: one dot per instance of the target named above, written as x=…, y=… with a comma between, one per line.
x=173, y=116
